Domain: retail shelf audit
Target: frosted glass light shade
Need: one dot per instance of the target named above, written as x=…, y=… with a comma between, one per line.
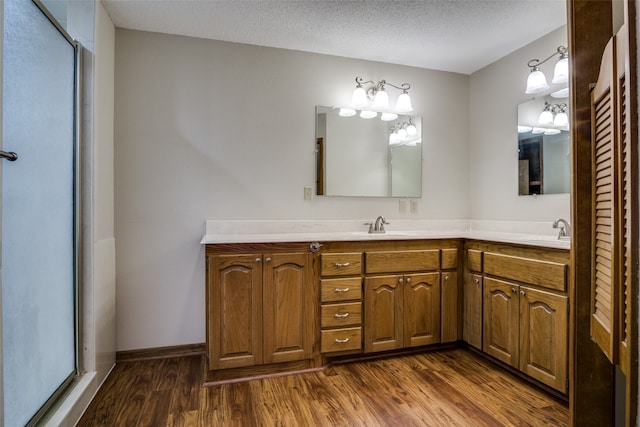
x=545, y=118
x=365, y=114
x=412, y=130
x=524, y=129
x=402, y=134
x=552, y=131
x=536, y=82
x=387, y=117
x=561, y=71
x=347, y=112
x=381, y=100
x=562, y=93
x=537, y=131
x=394, y=139
x=561, y=119
x=359, y=98
x=403, y=104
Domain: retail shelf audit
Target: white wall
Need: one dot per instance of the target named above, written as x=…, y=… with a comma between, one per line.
x=214, y=130
x=495, y=92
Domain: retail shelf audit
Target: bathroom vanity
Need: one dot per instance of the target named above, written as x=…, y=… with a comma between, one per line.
x=281, y=302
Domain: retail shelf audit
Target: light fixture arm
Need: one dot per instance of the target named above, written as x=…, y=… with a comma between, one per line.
x=535, y=63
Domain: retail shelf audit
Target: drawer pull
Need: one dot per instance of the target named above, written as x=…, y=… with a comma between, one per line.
x=344, y=264
x=338, y=340
x=341, y=316
x=338, y=290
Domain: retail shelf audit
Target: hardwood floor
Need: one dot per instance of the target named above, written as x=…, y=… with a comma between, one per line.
x=445, y=388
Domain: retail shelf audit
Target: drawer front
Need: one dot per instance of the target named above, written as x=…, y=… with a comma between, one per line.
x=402, y=261
x=474, y=260
x=336, y=290
x=341, y=340
x=549, y=274
x=341, y=264
x=449, y=259
x=339, y=315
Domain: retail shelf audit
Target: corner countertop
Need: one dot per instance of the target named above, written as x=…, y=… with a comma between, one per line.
x=518, y=232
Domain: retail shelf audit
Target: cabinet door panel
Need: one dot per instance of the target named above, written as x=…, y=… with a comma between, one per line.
x=472, y=331
x=421, y=309
x=451, y=324
x=235, y=311
x=543, y=337
x=383, y=313
x=501, y=320
x=288, y=307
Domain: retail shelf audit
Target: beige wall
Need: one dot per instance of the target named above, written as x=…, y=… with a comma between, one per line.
x=495, y=92
x=214, y=130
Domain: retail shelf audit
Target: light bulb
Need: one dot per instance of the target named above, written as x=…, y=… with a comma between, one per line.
x=347, y=112
x=381, y=100
x=561, y=119
x=359, y=97
x=403, y=104
x=387, y=117
x=536, y=82
x=412, y=130
x=561, y=71
x=546, y=118
x=365, y=114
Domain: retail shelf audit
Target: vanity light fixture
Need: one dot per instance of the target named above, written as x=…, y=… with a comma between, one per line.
x=537, y=82
x=554, y=115
x=404, y=133
x=361, y=98
x=546, y=117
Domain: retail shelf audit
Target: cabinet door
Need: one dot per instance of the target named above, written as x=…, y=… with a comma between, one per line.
x=383, y=315
x=450, y=316
x=421, y=309
x=234, y=311
x=543, y=337
x=288, y=307
x=501, y=320
x=472, y=328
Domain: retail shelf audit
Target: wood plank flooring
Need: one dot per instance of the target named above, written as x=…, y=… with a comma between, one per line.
x=444, y=388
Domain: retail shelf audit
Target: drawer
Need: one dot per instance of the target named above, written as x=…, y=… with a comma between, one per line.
x=449, y=259
x=474, y=260
x=341, y=340
x=549, y=274
x=335, y=290
x=341, y=264
x=402, y=261
x=339, y=315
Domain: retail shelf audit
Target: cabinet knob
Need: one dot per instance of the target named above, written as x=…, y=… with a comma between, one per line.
x=476, y=280
x=446, y=278
x=513, y=290
x=338, y=340
x=268, y=260
x=341, y=316
x=400, y=280
x=408, y=279
x=258, y=260
x=522, y=293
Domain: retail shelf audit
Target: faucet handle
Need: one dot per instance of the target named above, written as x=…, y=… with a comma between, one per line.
x=370, y=224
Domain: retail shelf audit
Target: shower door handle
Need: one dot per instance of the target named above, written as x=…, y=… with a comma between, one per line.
x=9, y=155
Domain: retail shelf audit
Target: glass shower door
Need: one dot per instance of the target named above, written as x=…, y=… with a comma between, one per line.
x=38, y=244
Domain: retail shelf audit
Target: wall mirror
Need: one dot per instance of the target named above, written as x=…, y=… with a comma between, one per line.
x=544, y=155
x=368, y=157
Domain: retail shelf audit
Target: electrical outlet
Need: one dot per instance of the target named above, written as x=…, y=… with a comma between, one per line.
x=402, y=205
x=307, y=193
x=414, y=206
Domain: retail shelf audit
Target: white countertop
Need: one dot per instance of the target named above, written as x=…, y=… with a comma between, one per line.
x=525, y=233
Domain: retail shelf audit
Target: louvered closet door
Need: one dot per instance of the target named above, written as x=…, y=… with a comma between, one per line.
x=627, y=155
x=604, y=226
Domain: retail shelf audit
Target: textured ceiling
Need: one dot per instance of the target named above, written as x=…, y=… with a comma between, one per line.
x=452, y=35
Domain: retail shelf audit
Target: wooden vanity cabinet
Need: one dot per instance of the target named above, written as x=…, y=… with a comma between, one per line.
x=525, y=310
x=260, y=308
x=402, y=309
x=472, y=297
x=451, y=297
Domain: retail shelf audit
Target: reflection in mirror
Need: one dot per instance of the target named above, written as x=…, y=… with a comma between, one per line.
x=368, y=157
x=543, y=146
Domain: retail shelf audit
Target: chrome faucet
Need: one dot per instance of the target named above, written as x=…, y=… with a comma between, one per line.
x=565, y=228
x=378, y=226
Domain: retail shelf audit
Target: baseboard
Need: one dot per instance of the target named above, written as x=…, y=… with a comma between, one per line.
x=160, y=352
